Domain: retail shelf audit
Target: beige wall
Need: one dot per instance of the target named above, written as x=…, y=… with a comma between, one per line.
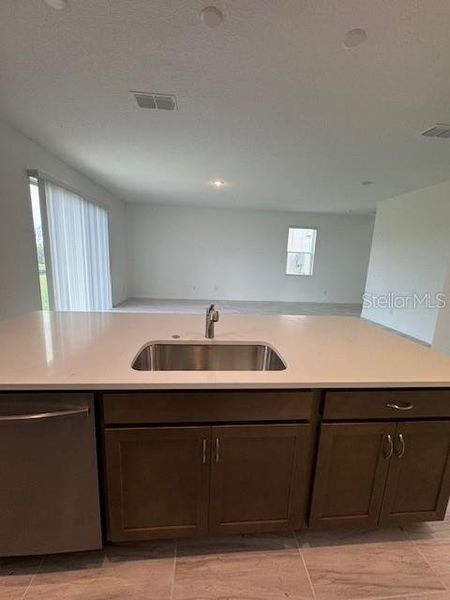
x=441, y=337
x=232, y=254
x=410, y=255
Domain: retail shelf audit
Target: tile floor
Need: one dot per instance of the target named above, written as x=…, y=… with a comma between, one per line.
x=398, y=564
x=197, y=307
x=237, y=307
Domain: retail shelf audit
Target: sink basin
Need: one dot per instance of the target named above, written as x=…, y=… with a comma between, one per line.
x=207, y=357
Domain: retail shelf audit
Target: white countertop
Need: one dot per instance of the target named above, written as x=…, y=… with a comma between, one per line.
x=94, y=351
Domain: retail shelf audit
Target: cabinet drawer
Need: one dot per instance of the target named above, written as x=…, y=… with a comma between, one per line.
x=204, y=406
x=386, y=404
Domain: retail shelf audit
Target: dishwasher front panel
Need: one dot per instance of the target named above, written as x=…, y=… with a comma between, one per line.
x=49, y=498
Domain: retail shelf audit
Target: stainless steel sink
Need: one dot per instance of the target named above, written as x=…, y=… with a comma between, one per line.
x=175, y=356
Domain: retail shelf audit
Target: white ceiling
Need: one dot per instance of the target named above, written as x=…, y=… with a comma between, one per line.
x=270, y=101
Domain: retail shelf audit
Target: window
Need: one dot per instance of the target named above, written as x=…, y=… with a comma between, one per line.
x=39, y=238
x=300, y=251
x=72, y=242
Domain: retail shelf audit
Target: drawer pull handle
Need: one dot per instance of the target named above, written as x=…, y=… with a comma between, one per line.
x=404, y=406
x=204, y=452
x=401, y=440
x=390, y=447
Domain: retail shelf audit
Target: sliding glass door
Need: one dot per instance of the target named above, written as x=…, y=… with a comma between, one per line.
x=76, y=243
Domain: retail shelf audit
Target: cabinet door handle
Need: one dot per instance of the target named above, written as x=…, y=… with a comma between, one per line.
x=401, y=406
x=390, y=447
x=204, y=452
x=217, y=450
x=401, y=441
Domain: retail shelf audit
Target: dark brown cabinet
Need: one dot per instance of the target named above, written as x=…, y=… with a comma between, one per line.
x=351, y=473
x=258, y=477
x=183, y=463
x=181, y=481
x=418, y=482
x=157, y=482
x=381, y=473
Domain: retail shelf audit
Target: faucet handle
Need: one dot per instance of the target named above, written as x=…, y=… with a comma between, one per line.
x=212, y=313
x=212, y=316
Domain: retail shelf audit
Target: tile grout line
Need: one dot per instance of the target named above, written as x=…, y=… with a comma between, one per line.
x=172, y=583
x=414, y=595
x=41, y=562
x=425, y=559
x=302, y=558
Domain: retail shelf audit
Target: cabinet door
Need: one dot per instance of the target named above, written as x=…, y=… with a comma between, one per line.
x=418, y=484
x=157, y=482
x=351, y=473
x=259, y=477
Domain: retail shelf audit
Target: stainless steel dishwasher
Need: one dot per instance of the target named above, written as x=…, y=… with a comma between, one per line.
x=49, y=499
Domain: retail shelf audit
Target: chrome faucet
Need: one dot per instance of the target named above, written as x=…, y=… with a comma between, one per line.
x=212, y=316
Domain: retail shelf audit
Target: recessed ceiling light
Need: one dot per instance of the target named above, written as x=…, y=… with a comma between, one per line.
x=56, y=4
x=354, y=38
x=367, y=182
x=211, y=16
x=218, y=183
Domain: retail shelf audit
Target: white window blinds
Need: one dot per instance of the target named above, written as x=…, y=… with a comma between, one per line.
x=79, y=251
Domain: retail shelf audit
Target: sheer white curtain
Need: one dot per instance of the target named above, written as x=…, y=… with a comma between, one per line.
x=79, y=251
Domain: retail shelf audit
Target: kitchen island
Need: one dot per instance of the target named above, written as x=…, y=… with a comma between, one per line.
x=354, y=432
x=94, y=351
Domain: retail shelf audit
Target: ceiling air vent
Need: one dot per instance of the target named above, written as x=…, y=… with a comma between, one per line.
x=156, y=101
x=440, y=130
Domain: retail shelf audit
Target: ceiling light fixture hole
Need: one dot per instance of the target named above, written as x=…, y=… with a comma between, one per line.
x=211, y=16
x=354, y=38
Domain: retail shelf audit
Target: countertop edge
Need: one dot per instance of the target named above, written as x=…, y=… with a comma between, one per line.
x=222, y=386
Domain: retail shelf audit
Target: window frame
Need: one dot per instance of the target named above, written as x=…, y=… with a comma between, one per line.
x=34, y=178
x=313, y=253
